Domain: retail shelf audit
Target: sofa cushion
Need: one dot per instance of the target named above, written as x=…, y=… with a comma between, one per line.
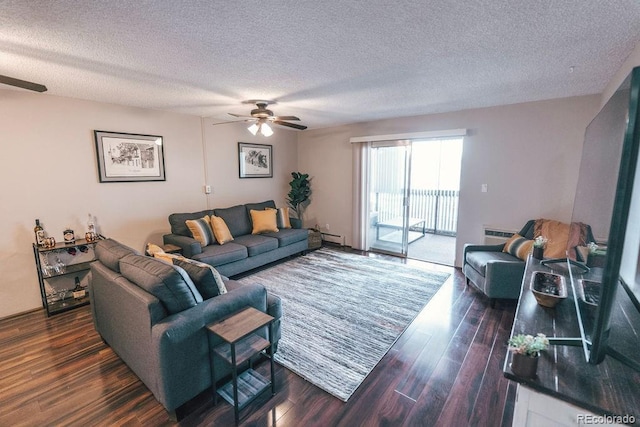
x=171, y=285
x=236, y=218
x=518, y=246
x=222, y=254
x=220, y=230
x=201, y=230
x=479, y=259
x=109, y=252
x=263, y=221
x=257, y=244
x=289, y=236
x=178, y=221
x=260, y=206
x=206, y=278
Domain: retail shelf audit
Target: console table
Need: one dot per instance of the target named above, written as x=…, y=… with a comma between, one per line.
x=609, y=388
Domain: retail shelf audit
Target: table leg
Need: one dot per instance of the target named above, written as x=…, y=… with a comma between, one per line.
x=273, y=375
x=234, y=372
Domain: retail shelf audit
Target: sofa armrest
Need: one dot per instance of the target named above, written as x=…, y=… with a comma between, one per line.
x=189, y=245
x=182, y=343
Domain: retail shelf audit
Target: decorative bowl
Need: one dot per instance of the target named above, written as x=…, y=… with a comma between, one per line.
x=548, y=288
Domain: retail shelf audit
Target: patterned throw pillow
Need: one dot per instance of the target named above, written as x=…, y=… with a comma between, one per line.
x=220, y=230
x=282, y=217
x=201, y=230
x=518, y=246
x=206, y=279
x=263, y=221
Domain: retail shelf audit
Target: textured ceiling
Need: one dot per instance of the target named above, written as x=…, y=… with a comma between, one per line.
x=328, y=62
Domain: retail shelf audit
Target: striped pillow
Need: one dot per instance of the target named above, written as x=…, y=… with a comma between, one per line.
x=201, y=230
x=282, y=217
x=518, y=246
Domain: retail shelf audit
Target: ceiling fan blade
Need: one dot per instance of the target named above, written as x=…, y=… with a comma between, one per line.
x=241, y=116
x=285, y=118
x=22, y=84
x=233, y=121
x=291, y=125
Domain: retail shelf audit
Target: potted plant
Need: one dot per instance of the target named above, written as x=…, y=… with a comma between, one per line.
x=526, y=350
x=538, y=247
x=298, y=197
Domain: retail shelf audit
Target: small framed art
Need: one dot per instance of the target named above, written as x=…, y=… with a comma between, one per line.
x=255, y=160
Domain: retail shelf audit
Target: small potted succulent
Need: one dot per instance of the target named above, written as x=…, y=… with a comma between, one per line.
x=538, y=247
x=526, y=351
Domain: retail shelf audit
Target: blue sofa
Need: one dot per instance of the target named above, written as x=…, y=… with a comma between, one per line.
x=247, y=251
x=154, y=320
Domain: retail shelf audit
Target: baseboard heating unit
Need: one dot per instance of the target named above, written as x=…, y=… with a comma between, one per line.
x=496, y=235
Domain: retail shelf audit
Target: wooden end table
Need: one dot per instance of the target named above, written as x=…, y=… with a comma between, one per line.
x=241, y=343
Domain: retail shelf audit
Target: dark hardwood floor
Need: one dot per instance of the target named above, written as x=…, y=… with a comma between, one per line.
x=445, y=370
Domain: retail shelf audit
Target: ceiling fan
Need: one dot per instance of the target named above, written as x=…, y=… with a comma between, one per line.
x=261, y=117
x=23, y=84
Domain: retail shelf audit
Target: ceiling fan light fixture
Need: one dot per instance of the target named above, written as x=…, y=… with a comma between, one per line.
x=254, y=128
x=266, y=130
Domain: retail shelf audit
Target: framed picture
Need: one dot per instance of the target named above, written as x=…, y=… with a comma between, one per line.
x=129, y=157
x=255, y=160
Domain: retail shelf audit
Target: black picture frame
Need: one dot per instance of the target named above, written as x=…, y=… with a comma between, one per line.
x=129, y=157
x=255, y=160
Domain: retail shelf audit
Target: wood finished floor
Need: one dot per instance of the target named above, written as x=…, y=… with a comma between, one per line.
x=445, y=370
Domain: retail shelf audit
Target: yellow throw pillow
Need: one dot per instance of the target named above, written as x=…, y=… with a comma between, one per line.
x=518, y=246
x=165, y=257
x=201, y=230
x=220, y=230
x=263, y=221
x=154, y=249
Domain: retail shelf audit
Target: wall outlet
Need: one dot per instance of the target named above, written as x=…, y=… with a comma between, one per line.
x=207, y=189
x=326, y=227
x=483, y=188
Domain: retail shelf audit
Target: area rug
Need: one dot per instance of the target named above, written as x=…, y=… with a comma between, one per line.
x=342, y=312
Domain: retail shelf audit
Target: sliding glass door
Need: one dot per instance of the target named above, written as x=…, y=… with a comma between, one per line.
x=389, y=196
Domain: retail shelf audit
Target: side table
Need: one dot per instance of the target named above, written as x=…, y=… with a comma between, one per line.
x=240, y=344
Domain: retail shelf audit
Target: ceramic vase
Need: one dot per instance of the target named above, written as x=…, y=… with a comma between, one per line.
x=524, y=366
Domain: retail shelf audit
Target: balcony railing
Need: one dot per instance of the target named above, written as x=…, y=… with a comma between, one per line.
x=439, y=208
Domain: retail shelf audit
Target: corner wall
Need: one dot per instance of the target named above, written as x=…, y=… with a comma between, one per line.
x=528, y=154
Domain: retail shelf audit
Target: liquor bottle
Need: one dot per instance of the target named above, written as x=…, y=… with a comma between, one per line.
x=78, y=291
x=91, y=226
x=39, y=232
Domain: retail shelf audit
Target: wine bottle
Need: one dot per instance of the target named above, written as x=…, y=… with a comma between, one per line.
x=78, y=291
x=39, y=232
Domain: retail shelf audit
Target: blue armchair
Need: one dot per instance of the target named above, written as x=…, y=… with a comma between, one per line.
x=497, y=274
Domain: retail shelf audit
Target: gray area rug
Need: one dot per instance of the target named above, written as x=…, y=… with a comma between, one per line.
x=342, y=312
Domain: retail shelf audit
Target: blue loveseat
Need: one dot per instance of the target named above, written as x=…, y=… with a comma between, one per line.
x=247, y=251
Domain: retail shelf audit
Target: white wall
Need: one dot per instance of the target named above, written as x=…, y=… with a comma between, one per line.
x=221, y=160
x=528, y=154
x=49, y=172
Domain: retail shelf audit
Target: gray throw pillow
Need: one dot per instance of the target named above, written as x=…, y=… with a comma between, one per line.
x=206, y=278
